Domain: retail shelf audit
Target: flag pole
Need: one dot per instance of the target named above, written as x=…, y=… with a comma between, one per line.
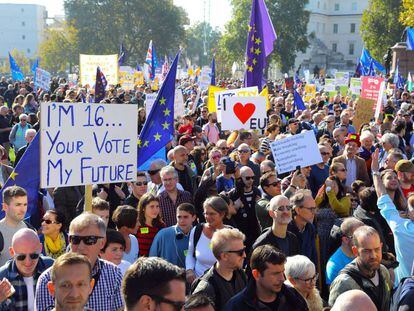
x=88, y=198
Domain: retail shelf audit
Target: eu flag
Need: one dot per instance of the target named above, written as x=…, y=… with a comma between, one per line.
x=366, y=60
x=398, y=80
x=260, y=40
x=26, y=174
x=298, y=103
x=213, y=71
x=16, y=72
x=100, y=85
x=410, y=39
x=159, y=126
x=35, y=65
x=121, y=55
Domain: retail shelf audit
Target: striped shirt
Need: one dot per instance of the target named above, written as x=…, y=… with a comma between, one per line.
x=145, y=236
x=106, y=294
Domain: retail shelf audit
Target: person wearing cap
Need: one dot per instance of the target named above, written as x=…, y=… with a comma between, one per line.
x=405, y=173
x=293, y=127
x=355, y=166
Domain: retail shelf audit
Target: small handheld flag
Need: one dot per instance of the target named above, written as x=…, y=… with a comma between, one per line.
x=16, y=72
x=100, y=85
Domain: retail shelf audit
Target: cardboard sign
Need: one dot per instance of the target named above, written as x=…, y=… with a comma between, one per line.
x=220, y=96
x=129, y=77
x=107, y=63
x=211, y=105
x=42, y=79
x=341, y=78
x=363, y=112
x=179, y=109
x=241, y=112
x=330, y=87
x=371, y=87
x=149, y=102
x=381, y=101
x=355, y=86
x=301, y=149
x=85, y=144
x=310, y=91
x=205, y=78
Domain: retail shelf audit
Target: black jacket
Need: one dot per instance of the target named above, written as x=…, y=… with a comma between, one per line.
x=267, y=237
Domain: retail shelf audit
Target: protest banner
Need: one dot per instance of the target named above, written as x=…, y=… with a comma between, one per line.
x=127, y=77
x=83, y=144
x=363, y=112
x=355, y=86
x=297, y=150
x=310, y=91
x=205, y=78
x=149, y=102
x=107, y=63
x=289, y=83
x=42, y=79
x=244, y=112
x=341, y=78
x=139, y=77
x=211, y=104
x=179, y=109
x=381, y=101
x=330, y=87
x=371, y=87
x=220, y=96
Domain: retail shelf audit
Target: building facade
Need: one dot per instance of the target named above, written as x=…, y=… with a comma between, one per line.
x=22, y=28
x=334, y=34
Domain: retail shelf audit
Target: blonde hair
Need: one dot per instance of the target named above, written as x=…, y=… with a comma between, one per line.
x=221, y=239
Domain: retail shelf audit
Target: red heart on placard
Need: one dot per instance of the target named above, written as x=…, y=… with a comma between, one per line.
x=244, y=112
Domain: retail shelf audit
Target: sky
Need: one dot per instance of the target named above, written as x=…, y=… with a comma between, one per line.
x=218, y=17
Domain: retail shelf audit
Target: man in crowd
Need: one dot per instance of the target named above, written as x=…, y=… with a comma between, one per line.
x=153, y=284
x=154, y=173
x=226, y=277
x=100, y=207
x=139, y=188
x=22, y=271
x=172, y=243
x=405, y=173
x=87, y=236
x=186, y=176
x=244, y=153
x=266, y=289
x=28, y=136
x=270, y=186
x=198, y=302
x=339, y=137
x=5, y=128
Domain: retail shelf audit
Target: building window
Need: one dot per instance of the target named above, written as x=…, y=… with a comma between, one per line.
x=334, y=47
x=352, y=28
x=323, y=28
x=335, y=28
x=23, y=24
x=336, y=7
x=23, y=37
x=324, y=5
x=319, y=4
x=28, y=51
x=351, y=49
x=354, y=6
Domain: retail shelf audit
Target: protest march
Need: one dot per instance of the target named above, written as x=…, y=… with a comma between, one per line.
x=169, y=188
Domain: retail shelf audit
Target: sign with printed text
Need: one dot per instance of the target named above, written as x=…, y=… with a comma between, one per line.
x=371, y=87
x=129, y=77
x=85, y=144
x=42, y=79
x=244, y=112
x=341, y=78
x=107, y=63
x=355, y=86
x=220, y=96
x=179, y=110
x=297, y=150
x=149, y=102
x=310, y=91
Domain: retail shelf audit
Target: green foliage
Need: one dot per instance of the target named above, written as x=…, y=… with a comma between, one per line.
x=407, y=13
x=104, y=24
x=290, y=21
x=380, y=28
x=21, y=60
x=195, y=43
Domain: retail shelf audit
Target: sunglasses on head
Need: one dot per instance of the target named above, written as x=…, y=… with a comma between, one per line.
x=88, y=239
x=153, y=172
x=139, y=183
x=21, y=257
x=239, y=252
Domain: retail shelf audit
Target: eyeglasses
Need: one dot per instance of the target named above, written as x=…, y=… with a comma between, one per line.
x=311, y=209
x=177, y=305
x=274, y=184
x=153, y=172
x=139, y=184
x=249, y=177
x=88, y=239
x=310, y=280
x=23, y=120
x=239, y=252
x=21, y=257
x=204, y=111
x=48, y=221
x=283, y=208
x=244, y=151
x=337, y=110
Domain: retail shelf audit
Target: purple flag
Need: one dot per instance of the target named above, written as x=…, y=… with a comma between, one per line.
x=100, y=85
x=260, y=40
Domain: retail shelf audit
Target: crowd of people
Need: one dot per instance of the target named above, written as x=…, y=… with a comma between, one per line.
x=215, y=226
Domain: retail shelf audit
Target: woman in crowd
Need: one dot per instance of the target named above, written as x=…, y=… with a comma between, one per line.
x=126, y=221
x=18, y=132
x=141, y=119
x=199, y=256
x=339, y=171
x=199, y=156
x=53, y=238
x=30, y=105
x=301, y=274
x=272, y=131
x=150, y=222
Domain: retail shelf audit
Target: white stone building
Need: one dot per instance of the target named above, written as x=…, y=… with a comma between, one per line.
x=22, y=28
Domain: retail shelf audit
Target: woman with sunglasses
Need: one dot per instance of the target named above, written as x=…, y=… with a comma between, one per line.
x=150, y=222
x=301, y=273
x=53, y=238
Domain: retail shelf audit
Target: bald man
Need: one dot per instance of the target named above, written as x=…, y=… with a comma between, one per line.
x=18, y=277
x=354, y=300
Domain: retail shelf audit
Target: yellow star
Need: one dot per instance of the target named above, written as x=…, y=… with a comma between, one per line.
x=250, y=68
x=167, y=112
x=139, y=142
x=254, y=61
x=162, y=101
x=165, y=125
x=13, y=175
x=146, y=143
x=258, y=41
x=257, y=51
x=157, y=137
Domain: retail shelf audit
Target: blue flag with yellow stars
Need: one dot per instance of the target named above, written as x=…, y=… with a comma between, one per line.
x=16, y=72
x=260, y=40
x=100, y=85
x=159, y=126
x=26, y=174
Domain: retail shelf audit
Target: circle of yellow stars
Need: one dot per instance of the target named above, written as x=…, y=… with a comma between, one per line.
x=254, y=50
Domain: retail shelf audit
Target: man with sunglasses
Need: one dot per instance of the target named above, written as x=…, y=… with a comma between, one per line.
x=19, y=275
x=138, y=189
x=270, y=186
x=226, y=277
x=153, y=284
x=87, y=236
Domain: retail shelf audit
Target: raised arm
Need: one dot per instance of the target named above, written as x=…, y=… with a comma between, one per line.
x=376, y=175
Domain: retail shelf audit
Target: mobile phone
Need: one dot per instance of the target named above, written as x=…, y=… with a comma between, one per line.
x=298, y=169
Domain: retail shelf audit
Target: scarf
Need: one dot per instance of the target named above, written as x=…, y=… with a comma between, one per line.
x=54, y=247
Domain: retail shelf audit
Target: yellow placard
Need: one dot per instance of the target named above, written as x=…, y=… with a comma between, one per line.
x=310, y=92
x=265, y=93
x=211, y=105
x=107, y=63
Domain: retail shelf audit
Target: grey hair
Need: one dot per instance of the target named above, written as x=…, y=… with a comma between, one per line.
x=363, y=231
x=391, y=138
x=268, y=163
x=349, y=225
x=298, y=266
x=30, y=131
x=218, y=204
x=85, y=220
x=168, y=170
x=159, y=163
x=299, y=197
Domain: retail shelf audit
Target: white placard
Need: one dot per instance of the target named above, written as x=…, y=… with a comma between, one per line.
x=85, y=144
x=341, y=78
x=219, y=96
x=42, y=79
x=297, y=150
x=244, y=112
x=178, y=104
x=149, y=101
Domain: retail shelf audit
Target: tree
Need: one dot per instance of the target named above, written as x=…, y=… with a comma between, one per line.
x=60, y=50
x=380, y=28
x=407, y=13
x=290, y=20
x=195, y=43
x=21, y=60
x=104, y=24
